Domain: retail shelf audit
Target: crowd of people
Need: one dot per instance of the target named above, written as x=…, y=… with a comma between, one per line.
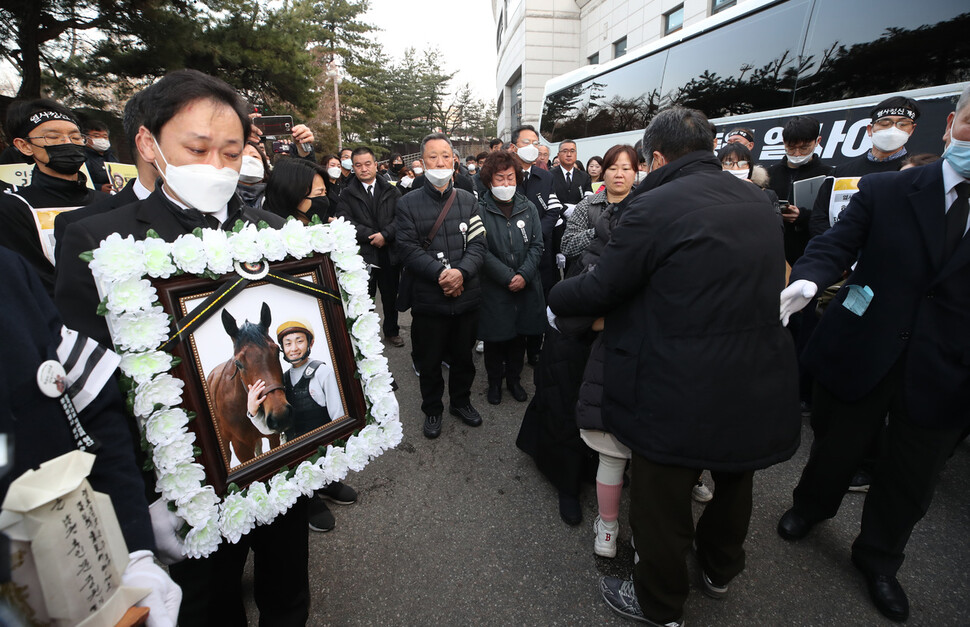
x=647, y=288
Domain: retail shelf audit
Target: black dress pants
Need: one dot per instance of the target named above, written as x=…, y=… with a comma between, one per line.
x=387, y=278
x=212, y=586
x=904, y=478
x=503, y=360
x=444, y=338
x=663, y=529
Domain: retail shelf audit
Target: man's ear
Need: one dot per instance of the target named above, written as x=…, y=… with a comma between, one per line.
x=145, y=145
x=24, y=146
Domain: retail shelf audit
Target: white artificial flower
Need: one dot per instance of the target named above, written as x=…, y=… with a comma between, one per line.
x=158, y=258
x=371, y=439
x=369, y=346
x=357, y=454
x=357, y=305
x=189, y=254
x=163, y=390
x=345, y=234
x=143, y=366
x=296, y=239
x=236, y=517
x=197, y=506
x=308, y=478
x=264, y=508
x=130, y=295
x=378, y=386
x=354, y=282
x=217, y=251
x=271, y=244
x=371, y=367
x=166, y=425
x=117, y=259
x=347, y=260
x=283, y=493
x=322, y=238
x=368, y=325
x=145, y=330
x=393, y=433
x=334, y=464
x=244, y=245
x=385, y=409
x=201, y=541
x=178, y=451
x=184, y=478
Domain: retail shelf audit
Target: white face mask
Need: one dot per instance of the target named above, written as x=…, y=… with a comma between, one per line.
x=528, y=153
x=347, y=164
x=890, y=140
x=503, y=192
x=472, y=167
x=199, y=185
x=100, y=143
x=741, y=174
x=333, y=172
x=418, y=171
x=439, y=177
x=251, y=170
x=799, y=159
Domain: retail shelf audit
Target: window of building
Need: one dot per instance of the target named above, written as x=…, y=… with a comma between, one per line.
x=619, y=48
x=717, y=5
x=515, y=100
x=593, y=59
x=674, y=20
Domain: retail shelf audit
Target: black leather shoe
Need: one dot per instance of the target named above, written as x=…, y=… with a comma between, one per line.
x=886, y=594
x=793, y=526
x=494, y=394
x=569, y=509
x=517, y=392
x=432, y=426
x=467, y=414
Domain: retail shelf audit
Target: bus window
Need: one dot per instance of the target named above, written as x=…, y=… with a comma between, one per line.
x=869, y=47
x=627, y=98
x=746, y=66
x=564, y=114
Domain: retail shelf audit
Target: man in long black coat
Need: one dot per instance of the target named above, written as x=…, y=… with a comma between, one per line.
x=698, y=371
x=895, y=340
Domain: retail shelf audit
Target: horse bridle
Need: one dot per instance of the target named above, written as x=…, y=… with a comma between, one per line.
x=266, y=390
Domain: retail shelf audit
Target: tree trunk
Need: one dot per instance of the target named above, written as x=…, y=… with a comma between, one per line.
x=28, y=38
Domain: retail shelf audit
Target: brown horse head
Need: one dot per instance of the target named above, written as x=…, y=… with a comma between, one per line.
x=256, y=356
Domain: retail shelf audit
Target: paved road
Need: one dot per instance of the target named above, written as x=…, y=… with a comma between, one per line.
x=463, y=530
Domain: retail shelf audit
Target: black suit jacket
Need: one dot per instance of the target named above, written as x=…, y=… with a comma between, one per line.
x=920, y=309
x=124, y=197
x=573, y=193
x=75, y=293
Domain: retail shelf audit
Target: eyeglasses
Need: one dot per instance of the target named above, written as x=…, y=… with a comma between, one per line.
x=735, y=164
x=527, y=142
x=903, y=124
x=567, y=151
x=52, y=139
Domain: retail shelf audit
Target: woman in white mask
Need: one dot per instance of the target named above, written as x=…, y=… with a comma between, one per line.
x=252, y=176
x=512, y=301
x=736, y=160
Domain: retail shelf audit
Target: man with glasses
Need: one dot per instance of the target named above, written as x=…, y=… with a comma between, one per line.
x=893, y=122
x=48, y=133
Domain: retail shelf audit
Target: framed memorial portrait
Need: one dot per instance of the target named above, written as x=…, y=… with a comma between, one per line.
x=253, y=364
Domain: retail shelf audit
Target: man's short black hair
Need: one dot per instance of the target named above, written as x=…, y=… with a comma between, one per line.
x=495, y=142
x=133, y=118
x=676, y=132
x=94, y=125
x=20, y=111
x=177, y=89
x=343, y=150
x=518, y=131
x=362, y=150
x=800, y=129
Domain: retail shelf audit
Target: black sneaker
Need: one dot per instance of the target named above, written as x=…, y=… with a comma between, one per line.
x=339, y=493
x=432, y=426
x=860, y=481
x=320, y=517
x=467, y=414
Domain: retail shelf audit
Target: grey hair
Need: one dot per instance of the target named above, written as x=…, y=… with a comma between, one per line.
x=964, y=100
x=675, y=132
x=433, y=137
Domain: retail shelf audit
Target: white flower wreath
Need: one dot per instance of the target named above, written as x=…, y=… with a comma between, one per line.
x=139, y=326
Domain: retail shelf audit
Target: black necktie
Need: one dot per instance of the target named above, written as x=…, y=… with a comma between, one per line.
x=370, y=190
x=956, y=220
x=569, y=180
x=525, y=176
x=211, y=221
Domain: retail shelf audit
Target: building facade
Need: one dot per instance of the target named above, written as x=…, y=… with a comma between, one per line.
x=539, y=39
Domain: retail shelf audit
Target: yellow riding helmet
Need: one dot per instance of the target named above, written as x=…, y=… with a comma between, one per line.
x=290, y=326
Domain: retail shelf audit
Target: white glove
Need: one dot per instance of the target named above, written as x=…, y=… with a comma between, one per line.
x=551, y=317
x=560, y=261
x=795, y=297
x=569, y=211
x=165, y=597
x=165, y=525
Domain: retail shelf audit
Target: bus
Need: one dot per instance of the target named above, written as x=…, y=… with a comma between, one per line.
x=761, y=62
